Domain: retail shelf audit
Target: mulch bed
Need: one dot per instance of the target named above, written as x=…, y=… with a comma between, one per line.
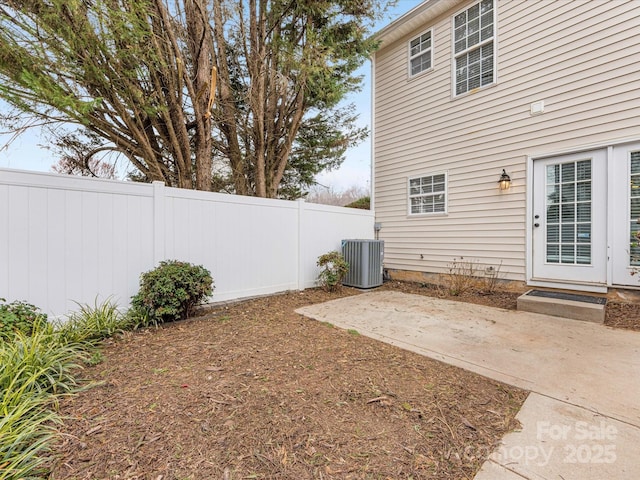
x=254, y=390
x=622, y=315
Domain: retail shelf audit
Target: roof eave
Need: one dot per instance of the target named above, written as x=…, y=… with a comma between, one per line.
x=420, y=15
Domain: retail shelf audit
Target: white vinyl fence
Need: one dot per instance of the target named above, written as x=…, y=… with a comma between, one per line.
x=67, y=239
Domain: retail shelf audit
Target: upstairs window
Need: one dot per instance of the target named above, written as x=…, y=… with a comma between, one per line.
x=428, y=194
x=474, y=47
x=420, y=54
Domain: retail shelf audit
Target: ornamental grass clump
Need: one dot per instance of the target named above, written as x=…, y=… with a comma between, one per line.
x=35, y=369
x=26, y=431
x=92, y=324
x=40, y=360
x=171, y=291
x=38, y=364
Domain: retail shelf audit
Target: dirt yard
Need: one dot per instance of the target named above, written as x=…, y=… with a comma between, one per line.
x=253, y=390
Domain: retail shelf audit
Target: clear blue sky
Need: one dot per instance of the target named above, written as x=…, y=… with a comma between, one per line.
x=356, y=169
x=27, y=152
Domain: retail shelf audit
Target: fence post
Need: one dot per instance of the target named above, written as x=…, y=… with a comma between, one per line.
x=158, y=223
x=301, y=245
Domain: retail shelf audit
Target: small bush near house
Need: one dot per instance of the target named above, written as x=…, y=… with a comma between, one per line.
x=461, y=277
x=489, y=283
x=19, y=317
x=170, y=291
x=334, y=269
x=465, y=276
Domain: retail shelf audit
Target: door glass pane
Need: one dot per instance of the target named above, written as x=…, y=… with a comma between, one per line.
x=568, y=233
x=584, y=233
x=584, y=212
x=553, y=255
x=553, y=233
x=634, y=221
x=583, y=254
x=568, y=212
x=568, y=253
x=568, y=192
x=553, y=174
x=583, y=191
x=568, y=172
x=584, y=170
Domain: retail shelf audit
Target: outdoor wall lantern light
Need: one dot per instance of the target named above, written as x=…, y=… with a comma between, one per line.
x=505, y=181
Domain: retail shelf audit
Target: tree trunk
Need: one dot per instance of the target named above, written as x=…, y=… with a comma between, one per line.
x=201, y=49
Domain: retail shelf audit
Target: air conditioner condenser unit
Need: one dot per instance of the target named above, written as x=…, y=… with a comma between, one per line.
x=365, y=263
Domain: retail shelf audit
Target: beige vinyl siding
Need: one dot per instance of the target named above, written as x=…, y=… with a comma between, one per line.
x=580, y=57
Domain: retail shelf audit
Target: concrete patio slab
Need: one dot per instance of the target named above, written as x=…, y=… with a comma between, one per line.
x=562, y=441
x=584, y=414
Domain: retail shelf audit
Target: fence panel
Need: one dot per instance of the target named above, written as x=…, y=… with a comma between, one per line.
x=70, y=239
x=249, y=244
x=316, y=221
x=67, y=240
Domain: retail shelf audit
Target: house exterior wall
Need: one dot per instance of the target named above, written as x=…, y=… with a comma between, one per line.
x=580, y=57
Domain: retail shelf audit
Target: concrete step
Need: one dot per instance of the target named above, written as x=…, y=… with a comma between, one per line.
x=589, y=308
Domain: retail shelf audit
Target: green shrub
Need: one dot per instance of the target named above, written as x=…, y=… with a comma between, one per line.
x=170, y=291
x=334, y=269
x=140, y=318
x=363, y=203
x=18, y=317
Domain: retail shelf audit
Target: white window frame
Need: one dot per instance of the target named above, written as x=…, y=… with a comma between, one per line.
x=421, y=52
x=479, y=45
x=629, y=208
x=431, y=194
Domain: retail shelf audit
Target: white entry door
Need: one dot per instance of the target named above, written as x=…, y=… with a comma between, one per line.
x=625, y=214
x=570, y=218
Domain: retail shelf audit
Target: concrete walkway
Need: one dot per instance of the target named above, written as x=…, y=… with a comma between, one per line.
x=582, y=419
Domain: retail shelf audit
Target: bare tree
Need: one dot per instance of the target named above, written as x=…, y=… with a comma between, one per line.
x=141, y=75
x=333, y=196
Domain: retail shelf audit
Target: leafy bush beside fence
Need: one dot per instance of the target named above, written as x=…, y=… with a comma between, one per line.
x=171, y=290
x=19, y=316
x=334, y=269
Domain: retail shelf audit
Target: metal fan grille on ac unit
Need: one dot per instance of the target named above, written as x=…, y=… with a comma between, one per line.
x=365, y=262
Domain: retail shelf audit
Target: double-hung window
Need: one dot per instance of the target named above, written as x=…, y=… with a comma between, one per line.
x=474, y=47
x=428, y=194
x=420, y=54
